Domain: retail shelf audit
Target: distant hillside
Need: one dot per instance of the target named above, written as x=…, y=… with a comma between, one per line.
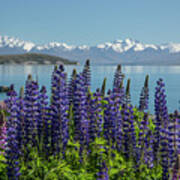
x=33, y=58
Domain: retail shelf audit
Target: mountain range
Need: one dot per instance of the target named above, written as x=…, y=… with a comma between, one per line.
x=126, y=51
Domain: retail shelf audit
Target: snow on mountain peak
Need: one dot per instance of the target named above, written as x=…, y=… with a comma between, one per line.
x=28, y=46
x=15, y=42
x=101, y=46
x=172, y=47
x=119, y=46
x=129, y=41
x=63, y=45
x=83, y=47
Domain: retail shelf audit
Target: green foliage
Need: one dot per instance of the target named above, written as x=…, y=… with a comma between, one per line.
x=2, y=166
x=73, y=167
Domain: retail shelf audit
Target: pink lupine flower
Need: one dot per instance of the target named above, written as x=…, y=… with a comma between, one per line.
x=2, y=136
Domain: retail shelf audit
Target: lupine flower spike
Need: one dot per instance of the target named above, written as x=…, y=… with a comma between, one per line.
x=128, y=96
x=118, y=78
x=103, y=88
x=144, y=97
x=161, y=130
x=87, y=75
x=2, y=130
x=12, y=151
x=71, y=86
x=103, y=173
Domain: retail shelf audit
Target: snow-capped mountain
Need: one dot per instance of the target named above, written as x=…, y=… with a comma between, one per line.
x=126, y=51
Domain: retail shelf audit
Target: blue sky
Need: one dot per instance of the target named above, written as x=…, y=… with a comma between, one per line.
x=91, y=21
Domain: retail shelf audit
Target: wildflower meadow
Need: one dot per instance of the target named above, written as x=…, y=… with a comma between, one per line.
x=77, y=134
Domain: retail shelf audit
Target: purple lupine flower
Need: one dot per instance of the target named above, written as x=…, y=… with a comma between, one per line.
x=103, y=172
x=53, y=78
x=27, y=115
x=129, y=136
x=59, y=110
x=99, y=117
x=172, y=135
x=103, y=87
x=2, y=136
x=2, y=131
x=119, y=133
x=87, y=75
x=95, y=114
x=42, y=112
x=141, y=140
x=10, y=101
x=12, y=152
x=94, y=110
x=53, y=110
x=174, y=139
x=106, y=117
x=11, y=95
x=144, y=97
x=125, y=128
x=148, y=154
x=71, y=86
x=175, y=171
x=118, y=89
x=117, y=98
x=43, y=121
x=47, y=132
x=113, y=120
x=164, y=154
x=118, y=79
x=21, y=116
x=81, y=122
x=128, y=95
x=143, y=129
x=175, y=175
x=110, y=119
x=161, y=130
x=31, y=108
x=161, y=115
x=132, y=129
x=91, y=116
x=122, y=94
x=11, y=92
x=177, y=131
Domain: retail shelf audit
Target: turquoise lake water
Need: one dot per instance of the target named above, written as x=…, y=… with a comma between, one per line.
x=17, y=74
